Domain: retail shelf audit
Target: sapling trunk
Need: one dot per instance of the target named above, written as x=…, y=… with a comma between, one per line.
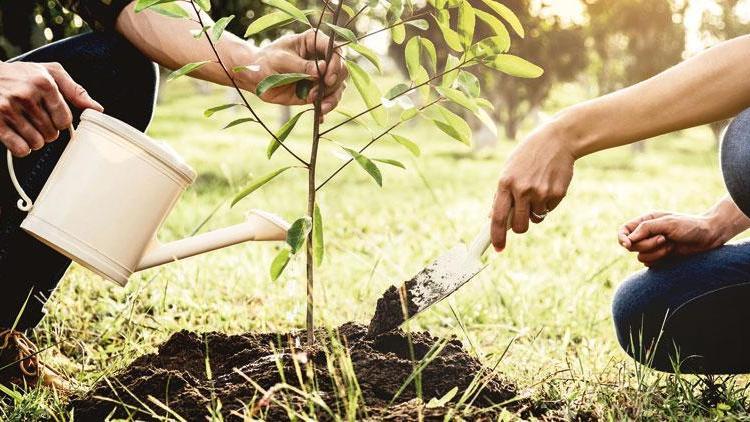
x=311, y=184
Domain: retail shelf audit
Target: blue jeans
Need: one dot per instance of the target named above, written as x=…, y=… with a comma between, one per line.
x=693, y=313
x=124, y=81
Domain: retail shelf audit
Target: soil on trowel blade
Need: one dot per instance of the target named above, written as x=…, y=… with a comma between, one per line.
x=246, y=378
x=392, y=309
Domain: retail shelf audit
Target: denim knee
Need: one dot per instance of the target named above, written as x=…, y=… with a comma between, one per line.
x=638, y=317
x=735, y=160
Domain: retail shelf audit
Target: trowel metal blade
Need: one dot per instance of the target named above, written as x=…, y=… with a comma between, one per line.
x=431, y=285
x=442, y=277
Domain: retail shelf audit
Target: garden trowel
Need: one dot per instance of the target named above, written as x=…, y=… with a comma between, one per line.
x=431, y=285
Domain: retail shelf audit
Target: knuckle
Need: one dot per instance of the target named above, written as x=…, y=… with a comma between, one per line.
x=505, y=183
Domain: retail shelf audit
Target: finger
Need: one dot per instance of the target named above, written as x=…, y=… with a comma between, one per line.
x=632, y=224
x=71, y=90
x=540, y=209
x=501, y=210
x=333, y=74
x=648, y=245
x=57, y=109
x=622, y=237
x=330, y=102
x=14, y=142
x=316, y=46
x=42, y=121
x=648, y=229
x=21, y=125
x=650, y=258
x=521, y=215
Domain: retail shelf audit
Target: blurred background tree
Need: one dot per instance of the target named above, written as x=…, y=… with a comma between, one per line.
x=608, y=45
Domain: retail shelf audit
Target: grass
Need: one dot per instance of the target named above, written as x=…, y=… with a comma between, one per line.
x=548, y=295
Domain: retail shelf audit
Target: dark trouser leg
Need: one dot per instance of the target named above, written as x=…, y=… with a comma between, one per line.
x=124, y=82
x=694, y=312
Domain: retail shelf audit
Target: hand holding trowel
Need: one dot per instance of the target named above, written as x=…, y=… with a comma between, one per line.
x=431, y=285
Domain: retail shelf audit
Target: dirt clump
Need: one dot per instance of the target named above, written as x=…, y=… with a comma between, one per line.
x=269, y=375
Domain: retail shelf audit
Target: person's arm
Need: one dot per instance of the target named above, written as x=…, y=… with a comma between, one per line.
x=168, y=41
x=711, y=86
x=656, y=235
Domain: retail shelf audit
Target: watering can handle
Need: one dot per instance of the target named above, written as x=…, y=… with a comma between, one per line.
x=25, y=203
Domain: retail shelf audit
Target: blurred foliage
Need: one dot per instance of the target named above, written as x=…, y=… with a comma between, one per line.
x=633, y=40
x=557, y=48
x=27, y=24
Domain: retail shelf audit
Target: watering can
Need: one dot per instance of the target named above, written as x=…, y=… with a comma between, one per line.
x=109, y=194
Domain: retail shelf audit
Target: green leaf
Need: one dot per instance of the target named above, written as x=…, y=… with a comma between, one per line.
x=468, y=83
x=391, y=162
x=489, y=47
x=184, y=70
x=487, y=120
x=449, y=35
x=420, y=77
x=435, y=402
x=142, y=5
x=411, y=55
x=197, y=33
x=398, y=34
x=451, y=62
x=205, y=5
x=302, y=89
x=458, y=97
x=246, y=68
x=297, y=233
x=397, y=90
x=466, y=22
x=406, y=143
x=210, y=111
x=409, y=114
x=419, y=24
x=279, y=263
x=289, y=9
x=367, y=165
x=450, y=123
x=257, y=183
x=344, y=33
x=269, y=21
x=279, y=79
x=485, y=103
x=504, y=12
x=239, y=122
x=395, y=10
x=428, y=54
x=220, y=26
x=170, y=9
x=494, y=23
x=283, y=133
x=368, y=54
x=348, y=10
x=514, y=66
x=318, y=244
x=367, y=90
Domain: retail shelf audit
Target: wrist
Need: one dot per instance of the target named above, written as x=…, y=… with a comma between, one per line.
x=244, y=54
x=576, y=130
x=725, y=221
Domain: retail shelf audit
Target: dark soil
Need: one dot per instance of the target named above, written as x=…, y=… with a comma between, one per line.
x=392, y=309
x=177, y=377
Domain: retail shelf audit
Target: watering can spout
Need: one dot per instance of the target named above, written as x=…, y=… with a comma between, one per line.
x=259, y=226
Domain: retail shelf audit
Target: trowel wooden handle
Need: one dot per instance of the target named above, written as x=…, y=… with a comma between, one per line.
x=483, y=239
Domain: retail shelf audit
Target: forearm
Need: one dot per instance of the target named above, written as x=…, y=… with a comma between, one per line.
x=727, y=220
x=169, y=42
x=711, y=86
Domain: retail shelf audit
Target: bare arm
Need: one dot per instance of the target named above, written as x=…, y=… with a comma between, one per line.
x=168, y=41
x=708, y=87
x=711, y=86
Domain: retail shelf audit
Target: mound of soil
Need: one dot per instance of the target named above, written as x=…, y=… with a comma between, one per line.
x=246, y=374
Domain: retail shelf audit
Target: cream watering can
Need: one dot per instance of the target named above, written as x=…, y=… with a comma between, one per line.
x=108, y=196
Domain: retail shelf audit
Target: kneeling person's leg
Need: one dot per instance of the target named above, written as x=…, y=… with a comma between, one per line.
x=124, y=81
x=691, y=313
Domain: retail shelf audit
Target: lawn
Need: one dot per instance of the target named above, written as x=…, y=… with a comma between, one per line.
x=547, y=296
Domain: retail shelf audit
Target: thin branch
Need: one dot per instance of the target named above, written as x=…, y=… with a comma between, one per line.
x=401, y=22
x=436, y=76
x=239, y=91
x=362, y=9
x=372, y=141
